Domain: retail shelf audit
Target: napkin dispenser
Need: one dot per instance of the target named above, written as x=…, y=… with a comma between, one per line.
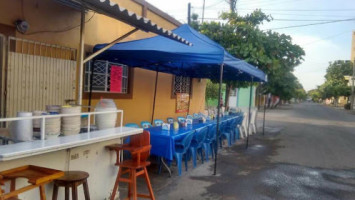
x=189, y=121
x=165, y=126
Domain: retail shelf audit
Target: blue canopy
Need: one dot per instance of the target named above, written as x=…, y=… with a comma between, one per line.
x=201, y=60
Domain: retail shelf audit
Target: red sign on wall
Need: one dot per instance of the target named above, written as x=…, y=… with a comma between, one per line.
x=116, y=78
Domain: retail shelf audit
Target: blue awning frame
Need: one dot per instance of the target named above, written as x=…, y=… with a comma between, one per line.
x=201, y=60
x=205, y=59
x=117, y=12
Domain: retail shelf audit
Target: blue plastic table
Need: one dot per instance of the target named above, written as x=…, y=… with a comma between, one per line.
x=163, y=141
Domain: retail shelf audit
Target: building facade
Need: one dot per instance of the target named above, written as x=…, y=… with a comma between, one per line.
x=51, y=23
x=39, y=67
x=240, y=98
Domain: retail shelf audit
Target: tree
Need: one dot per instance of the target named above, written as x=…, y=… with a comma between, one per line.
x=212, y=91
x=272, y=52
x=315, y=94
x=194, y=21
x=300, y=93
x=335, y=84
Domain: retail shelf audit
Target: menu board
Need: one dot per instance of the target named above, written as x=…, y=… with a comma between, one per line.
x=116, y=78
x=182, y=102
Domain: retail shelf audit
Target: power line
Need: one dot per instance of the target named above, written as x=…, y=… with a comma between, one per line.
x=322, y=20
x=307, y=15
x=209, y=6
x=254, y=2
x=267, y=3
x=326, y=38
x=301, y=10
x=303, y=25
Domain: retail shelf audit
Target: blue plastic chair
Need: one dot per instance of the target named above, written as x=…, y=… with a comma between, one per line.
x=196, y=115
x=170, y=120
x=229, y=129
x=146, y=124
x=210, y=141
x=158, y=122
x=189, y=117
x=239, y=121
x=181, y=149
x=201, y=114
x=224, y=133
x=233, y=126
x=133, y=125
x=197, y=144
x=181, y=119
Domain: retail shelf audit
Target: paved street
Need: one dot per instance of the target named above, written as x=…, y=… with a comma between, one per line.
x=307, y=153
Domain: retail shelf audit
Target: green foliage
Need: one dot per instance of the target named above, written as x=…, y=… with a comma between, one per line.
x=315, y=94
x=212, y=90
x=335, y=84
x=194, y=21
x=272, y=52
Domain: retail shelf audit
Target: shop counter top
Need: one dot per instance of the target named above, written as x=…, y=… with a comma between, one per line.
x=37, y=147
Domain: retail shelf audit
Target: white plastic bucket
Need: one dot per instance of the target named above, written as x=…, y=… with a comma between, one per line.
x=22, y=130
x=105, y=121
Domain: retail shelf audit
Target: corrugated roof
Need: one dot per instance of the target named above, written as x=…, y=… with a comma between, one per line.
x=108, y=8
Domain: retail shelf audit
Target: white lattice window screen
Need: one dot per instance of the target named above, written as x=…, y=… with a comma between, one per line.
x=182, y=84
x=102, y=76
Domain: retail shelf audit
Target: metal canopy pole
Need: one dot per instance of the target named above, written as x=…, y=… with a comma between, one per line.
x=81, y=57
x=110, y=45
x=92, y=65
x=155, y=95
x=96, y=54
x=265, y=101
x=218, y=118
x=251, y=89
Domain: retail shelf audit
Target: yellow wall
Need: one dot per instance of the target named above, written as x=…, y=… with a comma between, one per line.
x=47, y=15
x=353, y=47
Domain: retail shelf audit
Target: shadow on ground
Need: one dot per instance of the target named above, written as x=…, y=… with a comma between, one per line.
x=252, y=174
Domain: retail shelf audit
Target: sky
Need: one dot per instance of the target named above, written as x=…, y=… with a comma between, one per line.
x=322, y=43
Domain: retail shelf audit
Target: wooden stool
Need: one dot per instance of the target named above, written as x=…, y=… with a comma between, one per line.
x=139, y=147
x=37, y=177
x=72, y=179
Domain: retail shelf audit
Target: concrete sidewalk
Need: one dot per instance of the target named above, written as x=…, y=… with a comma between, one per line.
x=306, y=153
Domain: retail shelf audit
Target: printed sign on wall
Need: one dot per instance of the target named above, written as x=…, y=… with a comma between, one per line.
x=116, y=78
x=182, y=102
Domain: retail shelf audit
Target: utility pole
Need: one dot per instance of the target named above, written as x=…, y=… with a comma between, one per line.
x=352, y=87
x=189, y=13
x=233, y=5
x=203, y=11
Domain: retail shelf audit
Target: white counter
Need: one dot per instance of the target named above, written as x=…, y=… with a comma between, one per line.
x=36, y=147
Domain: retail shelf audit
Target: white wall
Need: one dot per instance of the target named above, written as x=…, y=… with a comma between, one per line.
x=233, y=100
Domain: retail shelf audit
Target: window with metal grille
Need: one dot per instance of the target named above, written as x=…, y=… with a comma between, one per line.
x=103, y=80
x=181, y=85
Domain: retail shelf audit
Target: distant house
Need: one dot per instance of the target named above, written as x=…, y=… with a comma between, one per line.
x=240, y=97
